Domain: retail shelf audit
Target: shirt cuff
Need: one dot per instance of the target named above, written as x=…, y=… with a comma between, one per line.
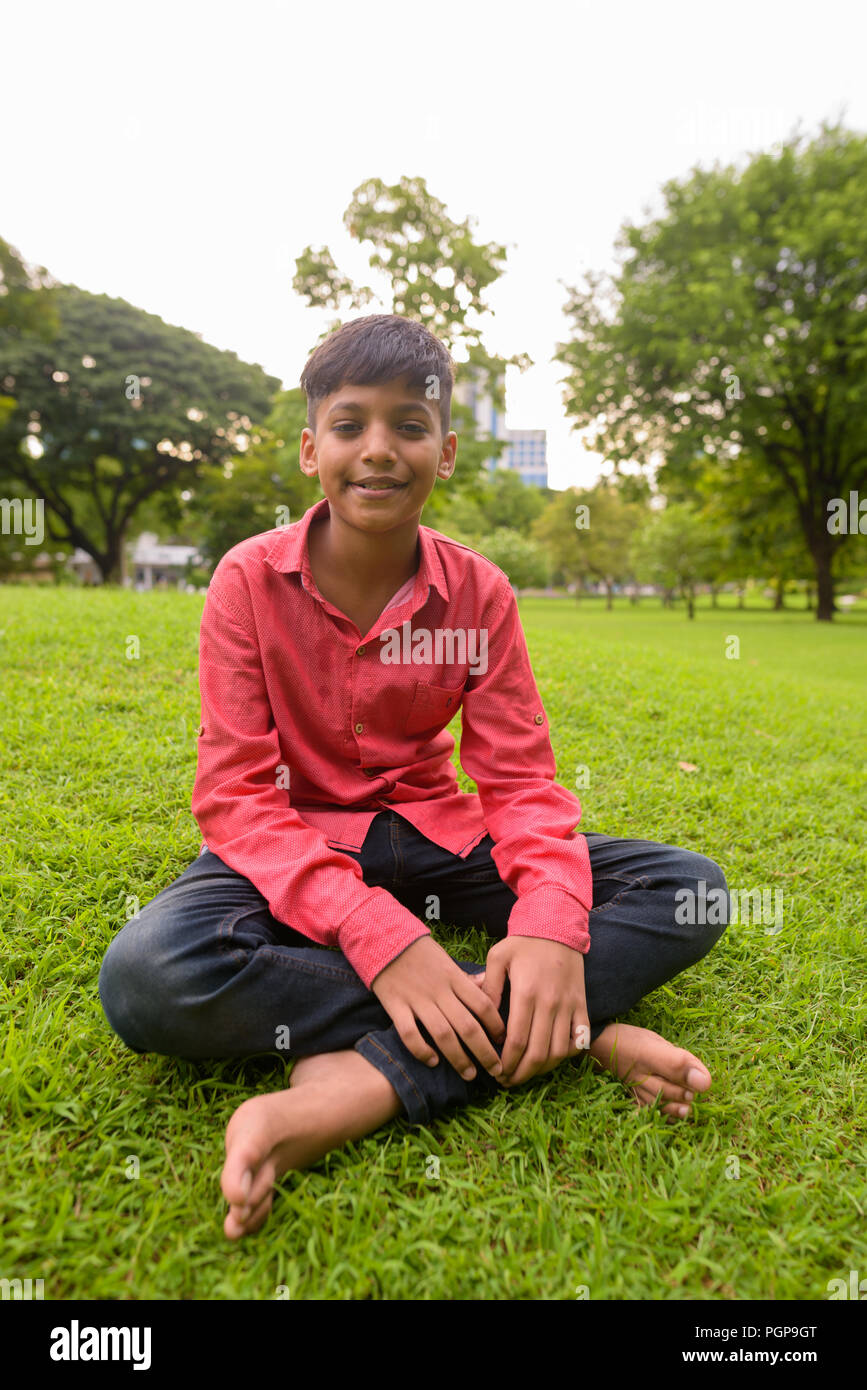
x=552, y=913
x=376, y=933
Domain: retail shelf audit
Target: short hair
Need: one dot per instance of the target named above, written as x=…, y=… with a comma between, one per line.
x=379, y=348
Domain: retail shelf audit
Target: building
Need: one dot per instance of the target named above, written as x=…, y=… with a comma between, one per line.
x=527, y=454
x=149, y=565
x=526, y=451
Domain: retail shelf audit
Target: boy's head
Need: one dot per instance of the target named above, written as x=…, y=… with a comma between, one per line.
x=378, y=411
x=376, y=349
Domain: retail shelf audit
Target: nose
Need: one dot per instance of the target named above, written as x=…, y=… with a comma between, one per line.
x=377, y=442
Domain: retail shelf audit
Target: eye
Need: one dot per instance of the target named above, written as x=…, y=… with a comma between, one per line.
x=351, y=425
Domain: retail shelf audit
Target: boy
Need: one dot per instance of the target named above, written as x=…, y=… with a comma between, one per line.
x=333, y=653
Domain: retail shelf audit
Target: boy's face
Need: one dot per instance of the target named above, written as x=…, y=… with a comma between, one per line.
x=370, y=434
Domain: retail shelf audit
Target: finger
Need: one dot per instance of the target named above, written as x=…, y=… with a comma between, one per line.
x=479, y=1003
x=413, y=1040
x=520, y=1020
x=473, y=1036
x=537, y=1049
x=446, y=1039
x=580, y=1035
x=561, y=1044
x=495, y=977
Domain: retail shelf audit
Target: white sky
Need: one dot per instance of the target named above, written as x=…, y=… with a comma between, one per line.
x=181, y=155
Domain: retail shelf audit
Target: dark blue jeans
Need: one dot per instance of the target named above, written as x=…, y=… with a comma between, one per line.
x=205, y=971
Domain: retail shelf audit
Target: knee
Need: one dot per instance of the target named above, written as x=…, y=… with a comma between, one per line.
x=702, y=902
x=124, y=991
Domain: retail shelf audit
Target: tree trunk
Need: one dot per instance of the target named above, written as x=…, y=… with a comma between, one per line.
x=713, y=596
x=690, y=603
x=779, y=602
x=111, y=561
x=741, y=598
x=609, y=597
x=809, y=598
x=823, y=558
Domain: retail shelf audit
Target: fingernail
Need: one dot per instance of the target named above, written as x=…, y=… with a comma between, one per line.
x=695, y=1078
x=246, y=1182
x=688, y=1095
x=497, y=1070
x=243, y=1214
x=468, y=1074
x=683, y=1111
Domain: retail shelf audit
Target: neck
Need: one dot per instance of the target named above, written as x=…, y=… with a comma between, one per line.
x=370, y=560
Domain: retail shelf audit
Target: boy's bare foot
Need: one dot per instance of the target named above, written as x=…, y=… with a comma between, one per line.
x=333, y=1098
x=651, y=1066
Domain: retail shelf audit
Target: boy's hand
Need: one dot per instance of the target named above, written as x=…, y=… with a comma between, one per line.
x=425, y=984
x=548, y=1018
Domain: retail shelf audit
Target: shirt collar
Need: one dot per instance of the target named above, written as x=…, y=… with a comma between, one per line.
x=290, y=553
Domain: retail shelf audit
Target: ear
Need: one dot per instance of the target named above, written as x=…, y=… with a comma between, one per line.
x=307, y=453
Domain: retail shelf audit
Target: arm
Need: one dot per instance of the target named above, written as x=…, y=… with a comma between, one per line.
x=506, y=749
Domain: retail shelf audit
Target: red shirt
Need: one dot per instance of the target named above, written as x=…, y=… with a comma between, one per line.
x=310, y=728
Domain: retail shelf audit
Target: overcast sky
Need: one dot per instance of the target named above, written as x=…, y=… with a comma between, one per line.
x=181, y=155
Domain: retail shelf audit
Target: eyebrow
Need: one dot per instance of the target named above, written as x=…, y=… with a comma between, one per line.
x=401, y=406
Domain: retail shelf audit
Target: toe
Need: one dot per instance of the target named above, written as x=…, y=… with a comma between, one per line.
x=694, y=1073
x=677, y=1111
x=239, y=1174
x=650, y=1086
x=261, y=1213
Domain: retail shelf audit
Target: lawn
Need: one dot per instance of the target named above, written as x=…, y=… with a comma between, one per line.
x=559, y=1187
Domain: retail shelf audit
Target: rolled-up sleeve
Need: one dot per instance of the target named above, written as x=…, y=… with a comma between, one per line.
x=245, y=813
x=506, y=749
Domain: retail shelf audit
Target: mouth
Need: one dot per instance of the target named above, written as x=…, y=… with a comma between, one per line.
x=385, y=487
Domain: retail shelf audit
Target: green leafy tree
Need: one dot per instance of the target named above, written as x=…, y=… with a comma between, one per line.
x=678, y=549
x=587, y=533
x=521, y=559
x=257, y=490
x=735, y=326
x=117, y=408
x=433, y=271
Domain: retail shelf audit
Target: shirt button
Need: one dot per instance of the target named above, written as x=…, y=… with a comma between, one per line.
x=539, y=718
x=360, y=651
x=359, y=728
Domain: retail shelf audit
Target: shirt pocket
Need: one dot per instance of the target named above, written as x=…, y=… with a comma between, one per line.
x=431, y=708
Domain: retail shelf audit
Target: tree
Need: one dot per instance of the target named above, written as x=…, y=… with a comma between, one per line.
x=587, y=534
x=257, y=490
x=735, y=326
x=521, y=559
x=116, y=409
x=677, y=549
x=434, y=273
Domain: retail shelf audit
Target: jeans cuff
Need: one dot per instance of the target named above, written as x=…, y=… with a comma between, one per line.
x=414, y=1101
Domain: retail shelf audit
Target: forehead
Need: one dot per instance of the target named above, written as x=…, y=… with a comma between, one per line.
x=392, y=394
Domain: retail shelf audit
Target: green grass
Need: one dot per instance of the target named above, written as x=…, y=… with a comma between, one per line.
x=560, y=1184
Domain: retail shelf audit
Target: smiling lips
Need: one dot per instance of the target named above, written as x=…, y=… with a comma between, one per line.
x=378, y=485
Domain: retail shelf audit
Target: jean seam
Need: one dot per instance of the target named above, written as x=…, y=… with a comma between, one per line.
x=397, y=851
x=240, y=953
